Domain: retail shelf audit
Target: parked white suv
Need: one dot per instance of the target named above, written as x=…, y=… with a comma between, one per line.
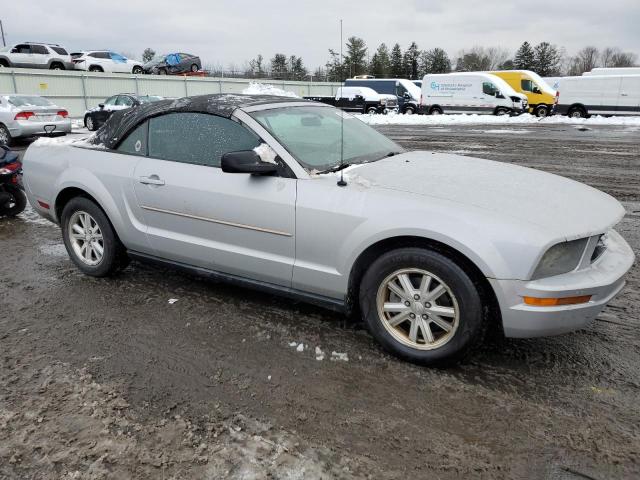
x=36, y=55
x=105, y=61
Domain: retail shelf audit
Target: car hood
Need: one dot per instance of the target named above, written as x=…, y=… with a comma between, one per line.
x=565, y=207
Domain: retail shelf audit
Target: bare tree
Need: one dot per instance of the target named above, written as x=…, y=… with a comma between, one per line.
x=613, y=57
x=584, y=61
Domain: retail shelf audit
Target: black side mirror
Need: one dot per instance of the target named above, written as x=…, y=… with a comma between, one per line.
x=101, y=105
x=407, y=96
x=246, y=161
x=499, y=95
x=536, y=90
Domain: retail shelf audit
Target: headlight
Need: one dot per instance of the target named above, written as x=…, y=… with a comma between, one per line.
x=561, y=258
x=383, y=101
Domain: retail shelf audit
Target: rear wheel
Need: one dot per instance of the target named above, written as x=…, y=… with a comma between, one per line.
x=371, y=110
x=577, y=112
x=435, y=111
x=95, y=68
x=16, y=204
x=90, y=239
x=194, y=68
x=5, y=136
x=162, y=71
x=56, y=66
x=137, y=70
x=541, y=111
x=422, y=306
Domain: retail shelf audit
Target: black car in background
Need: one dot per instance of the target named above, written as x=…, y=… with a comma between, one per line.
x=95, y=118
x=173, y=63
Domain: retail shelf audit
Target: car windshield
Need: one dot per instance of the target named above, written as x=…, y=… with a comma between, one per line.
x=28, y=101
x=149, y=99
x=315, y=135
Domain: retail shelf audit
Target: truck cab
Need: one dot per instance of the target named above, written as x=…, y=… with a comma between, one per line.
x=540, y=95
x=406, y=92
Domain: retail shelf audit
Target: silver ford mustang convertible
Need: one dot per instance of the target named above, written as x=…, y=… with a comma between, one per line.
x=299, y=198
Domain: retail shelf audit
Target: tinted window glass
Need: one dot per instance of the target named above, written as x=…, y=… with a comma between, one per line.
x=489, y=88
x=136, y=142
x=39, y=49
x=22, y=49
x=111, y=100
x=59, y=50
x=527, y=85
x=197, y=138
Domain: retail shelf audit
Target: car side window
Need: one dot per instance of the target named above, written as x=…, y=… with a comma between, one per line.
x=136, y=142
x=527, y=85
x=197, y=138
x=39, y=49
x=489, y=88
x=22, y=49
x=111, y=100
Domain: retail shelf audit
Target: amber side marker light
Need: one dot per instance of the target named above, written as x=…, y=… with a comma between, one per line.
x=555, y=302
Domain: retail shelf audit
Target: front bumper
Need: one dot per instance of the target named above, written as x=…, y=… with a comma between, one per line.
x=603, y=279
x=28, y=128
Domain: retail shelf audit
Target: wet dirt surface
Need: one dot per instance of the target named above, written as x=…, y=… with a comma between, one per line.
x=105, y=378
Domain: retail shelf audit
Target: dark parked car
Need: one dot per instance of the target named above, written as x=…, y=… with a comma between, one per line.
x=95, y=118
x=173, y=63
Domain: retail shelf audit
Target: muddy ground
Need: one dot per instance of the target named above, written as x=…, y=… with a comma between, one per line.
x=109, y=379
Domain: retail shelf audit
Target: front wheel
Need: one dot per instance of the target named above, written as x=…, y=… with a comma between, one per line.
x=137, y=70
x=16, y=204
x=409, y=111
x=194, y=68
x=501, y=111
x=5, y=136
x=90, y=239
x=422, y=306
x=541, y=111
x=435, y=111
x=90, y=123
x=577, y=112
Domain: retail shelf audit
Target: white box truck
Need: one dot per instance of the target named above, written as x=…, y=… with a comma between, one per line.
x=613, y=71
x=470, y=92
x=580, y=97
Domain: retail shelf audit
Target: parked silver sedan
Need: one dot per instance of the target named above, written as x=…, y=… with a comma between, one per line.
x=301, y=199
x=30, y=115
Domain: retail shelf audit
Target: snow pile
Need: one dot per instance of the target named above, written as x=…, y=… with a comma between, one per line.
x=266, y=153
x=464, y=119
x=255, y=88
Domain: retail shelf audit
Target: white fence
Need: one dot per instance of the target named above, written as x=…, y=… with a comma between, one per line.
x=78, y=91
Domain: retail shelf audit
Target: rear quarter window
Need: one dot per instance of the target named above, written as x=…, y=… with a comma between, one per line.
x=59, y=50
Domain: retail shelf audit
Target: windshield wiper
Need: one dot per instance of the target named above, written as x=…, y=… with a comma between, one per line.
x=336, y=168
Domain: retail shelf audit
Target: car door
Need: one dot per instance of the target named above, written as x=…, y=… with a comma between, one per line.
x=118, y=63
x=21, y=56
x=629, y=98
x=40, y=56
x=195, y=214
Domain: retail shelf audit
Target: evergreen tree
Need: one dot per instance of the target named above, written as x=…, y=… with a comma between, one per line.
x=297, y=70
x=397, y=67
x=434, y=61
x=410, y=61
x=380, y=65
x=335, y=68
x=279, y=66
x=525, y=58
x=356, y=58
x=148, y=55
x=547, y=60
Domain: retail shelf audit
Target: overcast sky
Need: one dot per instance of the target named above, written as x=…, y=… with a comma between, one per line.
x=232, y=31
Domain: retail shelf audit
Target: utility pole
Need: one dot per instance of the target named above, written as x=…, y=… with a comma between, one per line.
x=4, y=44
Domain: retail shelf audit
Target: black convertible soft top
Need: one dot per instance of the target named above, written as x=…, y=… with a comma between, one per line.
x=121, y=122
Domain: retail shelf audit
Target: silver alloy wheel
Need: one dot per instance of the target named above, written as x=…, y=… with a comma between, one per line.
x=86, y=238
x=89, y=122
x=541, y=112
x=4, y=135
x=418, y=309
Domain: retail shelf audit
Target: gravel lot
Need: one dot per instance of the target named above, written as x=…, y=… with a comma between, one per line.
x=108, y=379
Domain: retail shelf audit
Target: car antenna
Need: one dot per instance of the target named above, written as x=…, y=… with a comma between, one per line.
x=341, y=182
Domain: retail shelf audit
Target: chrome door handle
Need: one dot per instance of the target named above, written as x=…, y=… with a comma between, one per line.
x=151, y=180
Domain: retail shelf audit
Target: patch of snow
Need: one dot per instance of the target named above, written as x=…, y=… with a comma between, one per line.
x=54, y=249
x=293, y=344
x=319, y=354
x=506, y=130
x=475, y=119
x=29, y=215
x=256, y=88
x=172, y=301
x=266, y=153
x=339, y=357
x=300, y=348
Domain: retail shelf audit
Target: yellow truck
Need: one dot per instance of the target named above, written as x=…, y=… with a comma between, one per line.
x=540, y=95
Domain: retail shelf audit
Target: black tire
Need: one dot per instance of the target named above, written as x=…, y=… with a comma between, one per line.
x=5, y=136
x=194, y=68
x=4, y=64
x=435, y=111
x=472, y=322
x=541, y=111
x=56, y=66
x=501, y=111
x=371, y=110
x=17, y=204
x=90, y=123
x=409, y=111
x=577, y=112
x=115, y=255
x=137, y=70
x=162, y=71
x=96, y=68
